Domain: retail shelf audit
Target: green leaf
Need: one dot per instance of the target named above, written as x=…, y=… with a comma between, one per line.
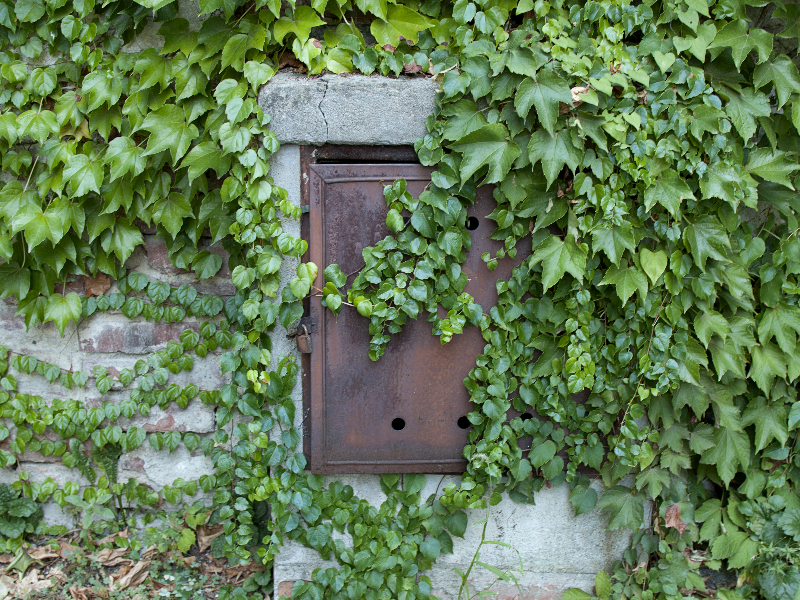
x=575, y=594
x=542, y=453
x=782, y=72
x=627, y=281
x=742, y=39
x=544, y=91
x=769, y=420
x=627, y=508
x=554, y=151
x=204, y=156
x=730, y=449
x=414, y=483
x=558, y=257
x=614, y=241
x=463, y=117
x=781, y=322
x=63, y=309
x=708, y=323
x=206, y=264
x=488, y=146
x=768, y=363
x=400, y=21
x=28, y=11
x=304, y=20
x=169, y=131
x=123, y=157
x=170, y=212
x=772, y=165
x=653, y=263
x=456, y=523
x=743, y=109
x=583, y=499
x=669, y=191
x=706, y=238
x=602, y=585
x=430, y=548
x=728, y=544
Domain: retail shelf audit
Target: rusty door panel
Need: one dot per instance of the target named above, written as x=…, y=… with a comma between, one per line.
x=401, y=413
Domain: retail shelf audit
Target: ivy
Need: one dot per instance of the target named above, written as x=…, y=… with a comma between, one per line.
x=650, y=325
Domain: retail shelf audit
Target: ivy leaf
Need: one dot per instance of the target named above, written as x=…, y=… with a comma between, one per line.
x=558, y=257
x=669, y=191
x=169, y=131
x=781, y=322
x=768, y=363
x=14, y=280
x=706, y=238
x=741, y=39
x=769, y=419
x=782, y=72
x=726, y=357
x=772, y=165
x=206, y=264
x=627, y=508
x=544, y=91
x=122, y=239
x=583, y=499
x=400, y=21
x=554, y=151
x=28, y=11
x=614, y=240
x=170, y=212
x=44, y=226
x=626, y=281
x=463, y=117
x=730, y=449
x=456, y=523
x=653, y=263
x=123, y=156
x=488, y=146
x=206, y=156
x=708, y=323
x=744, y=107
x=63, y=309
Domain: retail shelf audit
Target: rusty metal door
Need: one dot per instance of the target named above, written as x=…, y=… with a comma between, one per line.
x=406, y=412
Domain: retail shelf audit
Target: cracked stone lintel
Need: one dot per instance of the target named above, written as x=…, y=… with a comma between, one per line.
x=353, y=109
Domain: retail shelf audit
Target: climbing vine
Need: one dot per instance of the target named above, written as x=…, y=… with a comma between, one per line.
x=643, y=157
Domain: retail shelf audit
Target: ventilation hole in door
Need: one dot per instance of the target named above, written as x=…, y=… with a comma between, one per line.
x=398, y=424
x=472, y=223
x=463, y=422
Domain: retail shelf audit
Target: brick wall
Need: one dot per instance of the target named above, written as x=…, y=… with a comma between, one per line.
x=116, y=342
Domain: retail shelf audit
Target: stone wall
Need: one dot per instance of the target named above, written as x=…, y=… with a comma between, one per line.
x=112, y=340
x=558, y=550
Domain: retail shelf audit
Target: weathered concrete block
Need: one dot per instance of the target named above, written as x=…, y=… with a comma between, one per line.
x=160, y=468
x=42, y=341
x=353, y=109
x=558, y=549
x=61, y=474
x=108, y=333
x=196, y=417
x=206, y=373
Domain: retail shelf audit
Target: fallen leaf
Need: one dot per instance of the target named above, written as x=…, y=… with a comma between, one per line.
x=5, y=588
x=389, y=48
x=32, y=583
x=96, y=286
x=412, y=67
x=68, y=549
x=206, y=534
x=6, y=558
x=43, y=553
x=288, y=59
x=78, y=592
x=111, y=557
x=673, y=518
x=133, y=576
